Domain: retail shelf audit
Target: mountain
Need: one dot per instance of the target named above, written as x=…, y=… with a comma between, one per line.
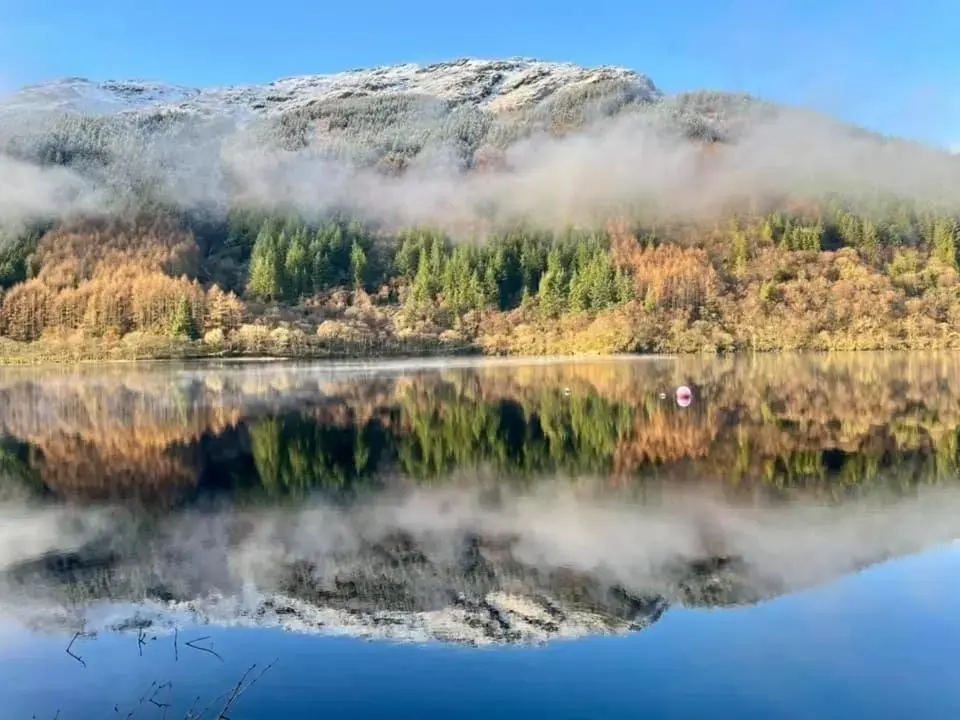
x=492, y=85
x=563, y=178
x=362, y=116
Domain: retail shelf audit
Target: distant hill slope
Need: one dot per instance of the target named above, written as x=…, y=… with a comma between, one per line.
x=395, y=112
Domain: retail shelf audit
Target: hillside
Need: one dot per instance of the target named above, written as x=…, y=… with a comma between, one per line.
x=474, y=206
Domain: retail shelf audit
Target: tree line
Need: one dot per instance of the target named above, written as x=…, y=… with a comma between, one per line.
x=706, y=282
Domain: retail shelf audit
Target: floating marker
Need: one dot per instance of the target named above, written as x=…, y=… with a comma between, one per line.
x=684, y=396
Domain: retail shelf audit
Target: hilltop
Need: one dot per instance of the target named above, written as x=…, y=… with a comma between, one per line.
x=470, y=206
x=491, y=85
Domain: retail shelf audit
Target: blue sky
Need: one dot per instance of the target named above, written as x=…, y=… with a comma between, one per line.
x=890, y=65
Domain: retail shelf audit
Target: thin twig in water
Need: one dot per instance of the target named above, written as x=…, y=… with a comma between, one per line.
x=240, y=689
x=190, y=714
x=162, y=706
x=213, y=652
x=206, y=707
x=69, y=649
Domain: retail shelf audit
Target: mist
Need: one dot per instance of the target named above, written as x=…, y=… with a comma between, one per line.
x=583, y=177
x=235, y=557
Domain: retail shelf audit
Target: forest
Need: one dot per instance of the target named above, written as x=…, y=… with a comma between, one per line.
x=269, y=284
x=802, y=265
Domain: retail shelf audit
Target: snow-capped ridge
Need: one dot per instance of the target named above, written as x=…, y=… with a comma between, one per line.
x=499, y=85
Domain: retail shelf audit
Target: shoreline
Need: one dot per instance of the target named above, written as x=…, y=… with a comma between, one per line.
x=455, y=356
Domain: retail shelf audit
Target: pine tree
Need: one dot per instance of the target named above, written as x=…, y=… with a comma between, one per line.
x=626, y=290
x=264, y=277
x=320, y=256
x=850, y=229
x=813, y=240
x=338, y=258
x=476, y=294
x=579, y=293
x=182, y=323
x=602, y=287
x=358, y=265
x=421, y=294
x=296, y=270
x=870, y=240
x=553, y=286
x=493, y=280
x=945, y=241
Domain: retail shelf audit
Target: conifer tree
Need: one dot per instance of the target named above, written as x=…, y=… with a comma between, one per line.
x=870, y=240
x=553, y=286
x=358, y=264
x=264, y=276
x=296, y=270
x=183, y=323
x=945, y=241
x=579, y=292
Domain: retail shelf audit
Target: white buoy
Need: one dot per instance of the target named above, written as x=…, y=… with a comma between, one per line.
x=684, y=396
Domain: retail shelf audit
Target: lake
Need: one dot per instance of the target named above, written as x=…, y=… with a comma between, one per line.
x=482, y=539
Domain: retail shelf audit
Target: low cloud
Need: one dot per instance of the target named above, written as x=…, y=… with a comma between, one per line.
x=585, y=176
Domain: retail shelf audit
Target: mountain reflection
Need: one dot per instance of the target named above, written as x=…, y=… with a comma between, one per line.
x=470, y=503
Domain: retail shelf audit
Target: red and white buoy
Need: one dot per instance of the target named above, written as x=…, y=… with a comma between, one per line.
x=684, y=396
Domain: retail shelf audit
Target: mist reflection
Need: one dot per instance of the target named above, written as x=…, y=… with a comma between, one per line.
x=480, y=503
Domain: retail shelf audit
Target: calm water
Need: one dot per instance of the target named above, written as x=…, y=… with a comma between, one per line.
x=512, y=539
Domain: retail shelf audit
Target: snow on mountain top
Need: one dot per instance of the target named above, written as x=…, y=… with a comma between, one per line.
x=496, y=85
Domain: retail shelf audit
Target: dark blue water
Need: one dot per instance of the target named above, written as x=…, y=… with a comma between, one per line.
x=543, y=541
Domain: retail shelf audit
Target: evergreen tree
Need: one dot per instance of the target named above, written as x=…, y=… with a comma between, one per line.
x=264, y=274
x=321, y=272
x=457, y=281
x=358, y=264
x=579, y=292
x=421, y=292
x=850, y=229
x=813, y=240
x=296, y=267
x=602, y=282
x=870, y=240
x=183, y=323
x=626, y=291
x=493, y=280
x=531, y=263
x=945, y=241
x=553, y=287
x=338, y=257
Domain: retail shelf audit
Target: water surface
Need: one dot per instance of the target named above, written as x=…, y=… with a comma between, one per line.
x=483, y=539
